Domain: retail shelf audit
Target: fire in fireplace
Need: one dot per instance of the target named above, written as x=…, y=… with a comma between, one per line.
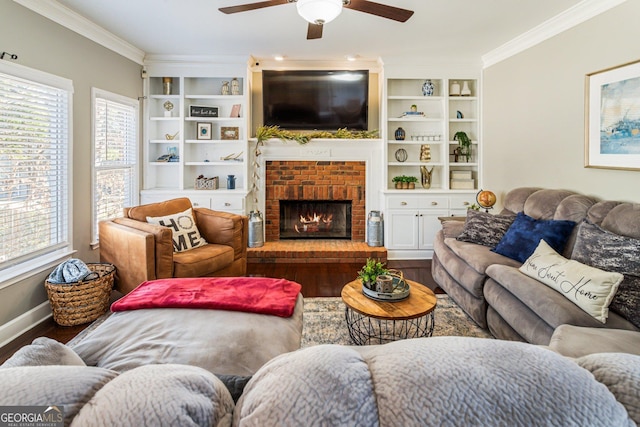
x=315, y=219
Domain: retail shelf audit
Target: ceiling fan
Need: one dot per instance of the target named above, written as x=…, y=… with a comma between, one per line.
x=320, y=12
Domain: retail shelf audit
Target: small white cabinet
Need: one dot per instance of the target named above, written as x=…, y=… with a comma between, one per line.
x=411, y=221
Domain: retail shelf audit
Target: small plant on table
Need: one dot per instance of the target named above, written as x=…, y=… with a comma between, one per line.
x=370, y=272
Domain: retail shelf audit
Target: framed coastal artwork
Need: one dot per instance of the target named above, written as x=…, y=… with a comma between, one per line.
x=613, y=118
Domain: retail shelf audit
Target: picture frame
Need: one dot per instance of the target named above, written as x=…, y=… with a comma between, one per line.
x=229, y=133
x=235, y=110
x=203, y=130
x=612, y=118
x=204, y=111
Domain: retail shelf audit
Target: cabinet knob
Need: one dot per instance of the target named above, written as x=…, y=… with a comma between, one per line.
x=434, y=203
x=403, y=203
x=227, y=204
x=196, y=204
x=465, y=204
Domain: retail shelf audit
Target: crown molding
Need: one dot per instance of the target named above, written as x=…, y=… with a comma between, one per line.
x=64, y=16
x=570, y=18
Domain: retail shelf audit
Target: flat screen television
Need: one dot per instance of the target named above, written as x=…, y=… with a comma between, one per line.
x=316, y=99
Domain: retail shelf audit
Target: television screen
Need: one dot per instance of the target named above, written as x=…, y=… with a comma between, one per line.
x=312, y=99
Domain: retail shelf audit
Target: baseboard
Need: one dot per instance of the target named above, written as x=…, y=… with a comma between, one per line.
x=21, y=324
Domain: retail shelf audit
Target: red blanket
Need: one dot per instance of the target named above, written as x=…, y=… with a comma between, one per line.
x=252, y=294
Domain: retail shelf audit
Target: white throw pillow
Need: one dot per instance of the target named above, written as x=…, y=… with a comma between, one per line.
x=183, y=227
x=589, y=288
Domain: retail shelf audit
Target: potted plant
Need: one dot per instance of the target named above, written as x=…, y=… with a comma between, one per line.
x=411, y=182
x=464, y=144
x=369, y=273
x=397, y=180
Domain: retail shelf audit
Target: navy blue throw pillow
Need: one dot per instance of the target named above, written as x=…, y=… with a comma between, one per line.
x=524, y=235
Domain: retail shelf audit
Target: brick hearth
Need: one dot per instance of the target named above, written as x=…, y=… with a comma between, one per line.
x=315, y=180
x=315, y=251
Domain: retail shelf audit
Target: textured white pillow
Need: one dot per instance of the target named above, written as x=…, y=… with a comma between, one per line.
x=589, y=288
x=183, y=227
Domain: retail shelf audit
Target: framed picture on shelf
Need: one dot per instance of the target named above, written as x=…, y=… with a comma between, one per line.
x=203, y=130
x=235, y=110
x=229, y=133
x=612, y=134
x=203, y=111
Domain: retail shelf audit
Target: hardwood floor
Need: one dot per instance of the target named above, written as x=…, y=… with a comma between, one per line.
x=327, y=280
x=317, y=280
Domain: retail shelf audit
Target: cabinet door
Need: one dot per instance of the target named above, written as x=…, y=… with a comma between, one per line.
x=403, y=229
x=429, y=226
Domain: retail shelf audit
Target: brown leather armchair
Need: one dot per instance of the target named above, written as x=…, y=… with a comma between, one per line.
x=143, y=251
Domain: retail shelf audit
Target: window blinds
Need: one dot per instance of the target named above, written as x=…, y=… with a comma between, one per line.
x=34, y=168
x=115, y=156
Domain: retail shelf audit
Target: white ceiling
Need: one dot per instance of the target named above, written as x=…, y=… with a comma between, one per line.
x=439, y=30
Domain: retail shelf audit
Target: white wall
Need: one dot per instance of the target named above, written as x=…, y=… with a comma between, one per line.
x=533, y=112
x=44, y=45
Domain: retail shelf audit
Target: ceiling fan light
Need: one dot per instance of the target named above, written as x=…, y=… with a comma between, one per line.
x=319, y=11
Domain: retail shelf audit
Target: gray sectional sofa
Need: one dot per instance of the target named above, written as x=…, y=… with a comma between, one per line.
x=513, y=306
x=438, y=381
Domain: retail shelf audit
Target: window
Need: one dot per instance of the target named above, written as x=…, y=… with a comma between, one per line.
x=35, y=146
x=115, y=153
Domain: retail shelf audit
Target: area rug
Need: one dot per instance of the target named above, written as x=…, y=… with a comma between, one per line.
x=324, y=321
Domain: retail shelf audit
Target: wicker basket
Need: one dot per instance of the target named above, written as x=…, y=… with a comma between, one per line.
x=82, y=302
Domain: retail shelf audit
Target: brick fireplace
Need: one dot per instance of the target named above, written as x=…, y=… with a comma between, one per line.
x=315, y=180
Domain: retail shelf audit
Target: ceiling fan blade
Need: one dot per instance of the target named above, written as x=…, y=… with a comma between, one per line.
x=314, y=31
x=252, y=6
x=382, y=10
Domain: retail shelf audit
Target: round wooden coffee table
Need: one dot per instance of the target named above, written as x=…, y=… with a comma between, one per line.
x=378, y=322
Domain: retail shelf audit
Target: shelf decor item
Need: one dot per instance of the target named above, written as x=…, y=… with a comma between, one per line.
x=203, y=183
x=203, y=111
x=459, y=115
x=426, y=175
x=235, y=110
x=229, y=133
x=167, y=85
x=401, y=155
x=465, y=89
x=464, y=145
x=226, y=89
x=428, y=88
x=231, y=182
x=168, y=106
x=203, y=130
x=454, y=90
x=612, y=119
x=235, y=86
x=400, y=134
x=425, y=153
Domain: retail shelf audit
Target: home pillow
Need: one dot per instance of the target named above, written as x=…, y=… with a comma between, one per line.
x=609, y=251
x=523, y=236
x=485, y=229
x=589, y=288
x=185, y=233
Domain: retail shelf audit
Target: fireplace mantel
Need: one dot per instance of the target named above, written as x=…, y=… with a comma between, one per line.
x=369, y=151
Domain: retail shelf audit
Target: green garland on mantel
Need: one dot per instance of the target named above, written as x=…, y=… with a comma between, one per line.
x=264, y=133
